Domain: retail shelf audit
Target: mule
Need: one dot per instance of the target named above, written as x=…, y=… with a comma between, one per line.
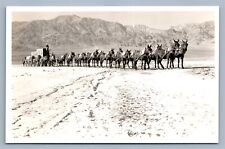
x=62, y=60
x=118, y=58
x=83, y=59
x=110, y=57
x=134, y=58
x=102, y=58
x=180, y=53
x=126, y=58
x=70, y=58
x=52, y=60
x=95, y=58
x=159, y=54
x=28, y=60
x=170, y=55
x=37, y=60
x=89, y=58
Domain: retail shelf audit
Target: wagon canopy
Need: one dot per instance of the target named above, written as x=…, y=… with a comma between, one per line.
x=42, y=52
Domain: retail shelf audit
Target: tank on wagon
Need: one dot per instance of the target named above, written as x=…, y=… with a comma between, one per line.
x=42, y=52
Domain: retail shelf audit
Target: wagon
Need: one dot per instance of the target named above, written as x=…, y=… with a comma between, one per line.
x=42, y=52
x=39, y=57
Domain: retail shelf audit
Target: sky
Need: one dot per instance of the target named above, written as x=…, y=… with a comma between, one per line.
x=154, y=19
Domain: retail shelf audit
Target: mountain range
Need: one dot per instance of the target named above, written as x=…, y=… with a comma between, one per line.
x=74, y=33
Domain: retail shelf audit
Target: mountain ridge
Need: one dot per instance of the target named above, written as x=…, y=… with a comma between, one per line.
x=73, y=33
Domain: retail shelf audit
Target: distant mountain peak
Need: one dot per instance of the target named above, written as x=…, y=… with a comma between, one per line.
x=65, y=18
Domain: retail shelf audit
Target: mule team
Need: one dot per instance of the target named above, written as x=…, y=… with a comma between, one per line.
x=119, y=58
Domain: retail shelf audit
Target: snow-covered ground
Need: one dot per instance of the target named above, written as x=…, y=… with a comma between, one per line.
x=79, y=104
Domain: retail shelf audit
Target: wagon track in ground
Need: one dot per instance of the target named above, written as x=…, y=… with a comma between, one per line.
x=54, y=90
x=59, y=101
x=111, y=103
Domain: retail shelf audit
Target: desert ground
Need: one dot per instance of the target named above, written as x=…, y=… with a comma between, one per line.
x=80, y=104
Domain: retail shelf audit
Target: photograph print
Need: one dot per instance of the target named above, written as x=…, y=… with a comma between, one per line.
x=112, y=74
